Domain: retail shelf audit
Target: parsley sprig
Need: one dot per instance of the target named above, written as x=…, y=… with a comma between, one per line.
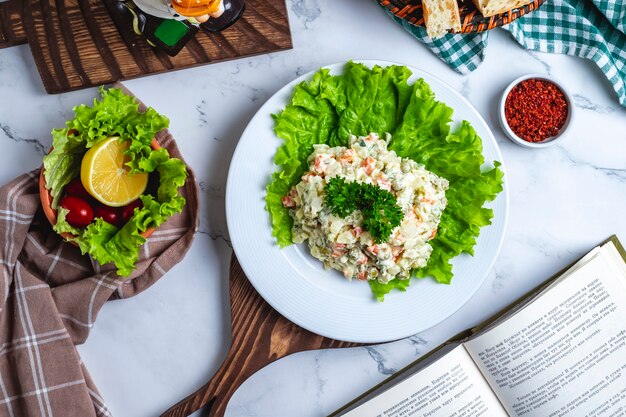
x=381, y=213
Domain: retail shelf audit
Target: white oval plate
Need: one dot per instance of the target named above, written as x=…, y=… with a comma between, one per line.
x=323, y=301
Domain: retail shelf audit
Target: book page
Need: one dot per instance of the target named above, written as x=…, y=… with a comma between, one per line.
x=514, y=309
x=565, y=353
x=451, y=386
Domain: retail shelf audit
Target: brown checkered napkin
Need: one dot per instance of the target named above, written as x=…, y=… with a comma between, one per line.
x=50, y=296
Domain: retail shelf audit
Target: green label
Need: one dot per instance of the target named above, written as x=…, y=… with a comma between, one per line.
x=170, y=31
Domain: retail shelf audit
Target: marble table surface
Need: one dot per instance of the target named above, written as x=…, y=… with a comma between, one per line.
x=147, y=352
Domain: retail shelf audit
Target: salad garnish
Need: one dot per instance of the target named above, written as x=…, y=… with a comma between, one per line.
x=379, y=207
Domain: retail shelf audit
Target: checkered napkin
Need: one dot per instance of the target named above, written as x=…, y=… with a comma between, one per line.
x=593, y=29
x=50, y=296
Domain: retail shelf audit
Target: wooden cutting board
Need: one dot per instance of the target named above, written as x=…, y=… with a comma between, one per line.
x=75, y=43
x=259, y=336
x=11, y=28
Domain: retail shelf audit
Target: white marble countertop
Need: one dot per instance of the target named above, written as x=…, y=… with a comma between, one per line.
x=148, y=352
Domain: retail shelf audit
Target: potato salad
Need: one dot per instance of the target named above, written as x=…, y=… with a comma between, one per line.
x=342, y=243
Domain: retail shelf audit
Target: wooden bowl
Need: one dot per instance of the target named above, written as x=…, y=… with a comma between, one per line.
x=471, y=19
x=51, y=214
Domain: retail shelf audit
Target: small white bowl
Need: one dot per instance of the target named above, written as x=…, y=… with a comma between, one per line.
x=551, y=140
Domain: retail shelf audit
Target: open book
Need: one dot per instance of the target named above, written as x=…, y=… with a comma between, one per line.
x=560, y=351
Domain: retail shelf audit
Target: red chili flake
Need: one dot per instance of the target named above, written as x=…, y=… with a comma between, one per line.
x=536, y=109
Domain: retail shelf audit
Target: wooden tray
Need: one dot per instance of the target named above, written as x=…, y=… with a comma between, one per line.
x=259, y=337
x=75, y=43
x=471, y=19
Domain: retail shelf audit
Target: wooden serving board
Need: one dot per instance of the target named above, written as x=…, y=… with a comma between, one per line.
x=11, y=28
x=76, y=44
x=259, y=337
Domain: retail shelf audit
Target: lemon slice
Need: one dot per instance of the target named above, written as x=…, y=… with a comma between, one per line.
x=106, y=177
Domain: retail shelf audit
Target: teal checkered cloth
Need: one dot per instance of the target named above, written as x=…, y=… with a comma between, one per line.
x=593, y=29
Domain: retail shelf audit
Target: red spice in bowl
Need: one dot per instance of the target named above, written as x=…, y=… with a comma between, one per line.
x=536, y=110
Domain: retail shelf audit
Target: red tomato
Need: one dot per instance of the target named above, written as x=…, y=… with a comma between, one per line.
x=109, y=214
x=76, y=189
x=80, y=212
x=129, y=209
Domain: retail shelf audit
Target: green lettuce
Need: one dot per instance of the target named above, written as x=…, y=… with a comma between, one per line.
x=329, y=109
x=62, y=164
x=116, y=114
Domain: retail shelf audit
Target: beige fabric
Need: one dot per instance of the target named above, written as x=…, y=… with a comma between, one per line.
x=50, y=296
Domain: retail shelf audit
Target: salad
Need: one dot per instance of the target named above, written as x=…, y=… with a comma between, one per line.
x=108, y=184
x=329, y=109
x=342, y=239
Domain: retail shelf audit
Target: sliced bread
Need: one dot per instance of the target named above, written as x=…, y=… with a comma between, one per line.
x=489, y=8
x=441, y=16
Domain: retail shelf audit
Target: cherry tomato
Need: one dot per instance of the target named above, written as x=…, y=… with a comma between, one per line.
x=109, y=214
x=76, y=189
x=129, y=209
x=80, y=212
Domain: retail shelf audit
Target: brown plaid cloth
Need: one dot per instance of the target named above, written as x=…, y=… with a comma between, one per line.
x=50, y=296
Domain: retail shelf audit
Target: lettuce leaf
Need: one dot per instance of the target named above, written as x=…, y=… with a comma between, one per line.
x=362, y=100
x=311, y=118
x=116, y=114
x=62, y=226
x=62, y=164
x=376, y=100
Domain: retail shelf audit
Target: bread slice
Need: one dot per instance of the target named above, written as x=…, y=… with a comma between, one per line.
x=440, y=16
x=489, y=8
